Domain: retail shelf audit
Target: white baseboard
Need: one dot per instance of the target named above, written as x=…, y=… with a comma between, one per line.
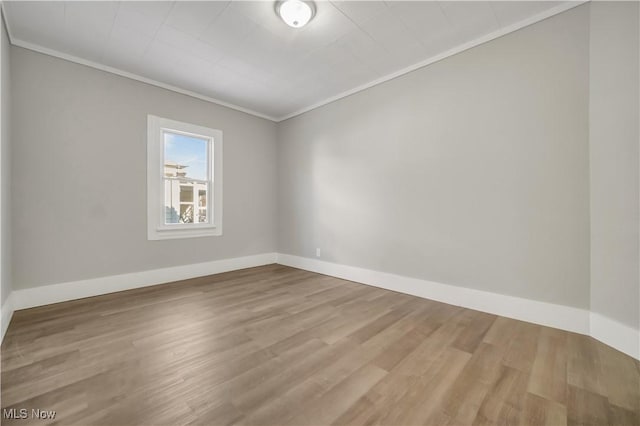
x=615, y=334
x=558, y=316
x=7, y=314
x=610, y=332
x=45, y=295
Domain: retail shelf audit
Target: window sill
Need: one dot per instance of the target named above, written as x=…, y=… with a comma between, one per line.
x=171, y=234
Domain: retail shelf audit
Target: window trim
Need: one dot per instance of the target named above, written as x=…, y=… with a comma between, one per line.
x=157, y=229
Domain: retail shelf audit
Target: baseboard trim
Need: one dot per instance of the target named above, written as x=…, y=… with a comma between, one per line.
x=558, y=316
x=7, y=314
x=610, y=332
x=62, y=292
x=615, y=334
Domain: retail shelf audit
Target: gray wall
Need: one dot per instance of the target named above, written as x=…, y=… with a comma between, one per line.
x=614, y=135
x=79, y=173
x=5, y=167
x=473, y=171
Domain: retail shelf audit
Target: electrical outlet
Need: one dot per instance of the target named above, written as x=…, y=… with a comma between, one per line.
x=318, y=252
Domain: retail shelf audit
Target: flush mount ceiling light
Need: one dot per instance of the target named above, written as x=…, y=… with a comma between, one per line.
x=295, y=13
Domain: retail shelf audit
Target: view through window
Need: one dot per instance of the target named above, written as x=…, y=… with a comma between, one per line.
x=186, y=178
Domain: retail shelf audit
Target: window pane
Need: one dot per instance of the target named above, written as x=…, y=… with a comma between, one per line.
x=185, y=156
x=186, y=193
x=185, y=202
x=201, y=200
x=186, y=213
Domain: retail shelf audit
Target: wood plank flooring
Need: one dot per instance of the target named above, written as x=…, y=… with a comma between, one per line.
x=280, y=346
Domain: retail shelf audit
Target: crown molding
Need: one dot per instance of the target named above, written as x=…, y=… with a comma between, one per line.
x=453, y=51
x=132, y=76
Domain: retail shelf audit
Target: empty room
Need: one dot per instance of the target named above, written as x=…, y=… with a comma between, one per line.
x=338, y=212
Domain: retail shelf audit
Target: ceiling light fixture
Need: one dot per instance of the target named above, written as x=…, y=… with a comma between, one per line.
x=295, y=13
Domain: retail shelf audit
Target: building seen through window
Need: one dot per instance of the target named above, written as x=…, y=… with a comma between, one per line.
x=185, y=174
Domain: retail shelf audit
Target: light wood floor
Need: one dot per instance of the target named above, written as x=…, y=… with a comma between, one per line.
x=275, y=345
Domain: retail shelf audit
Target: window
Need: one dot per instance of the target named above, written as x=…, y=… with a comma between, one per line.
x=184, y=180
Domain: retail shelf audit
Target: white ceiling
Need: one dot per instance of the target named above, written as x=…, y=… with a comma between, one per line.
x=241, y=53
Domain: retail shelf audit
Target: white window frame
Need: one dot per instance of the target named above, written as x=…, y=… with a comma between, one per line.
x=157, y=229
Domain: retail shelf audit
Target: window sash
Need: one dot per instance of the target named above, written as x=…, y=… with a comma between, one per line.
x=185, y=180
x=197, y=206
x=210, y=223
